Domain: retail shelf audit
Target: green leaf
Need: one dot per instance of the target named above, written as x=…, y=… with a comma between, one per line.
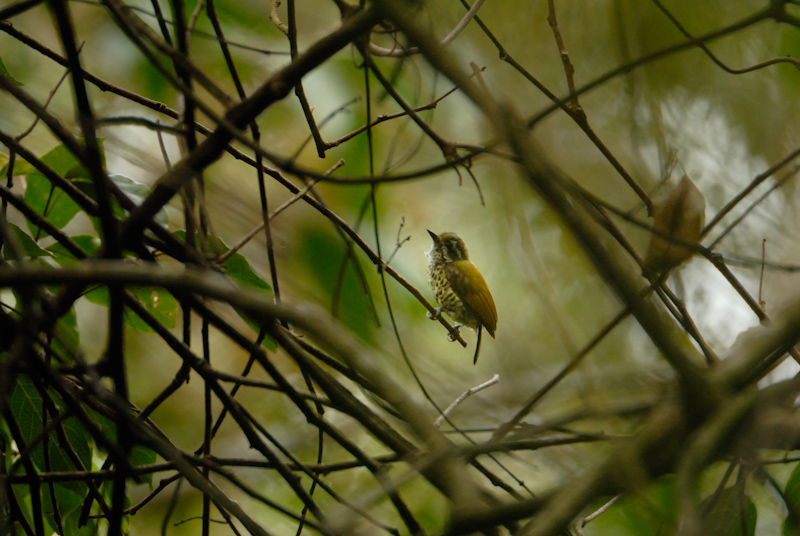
x=791, y=525
x=792, y=491
x=66, y=339
x=651, y=512
x=98, y=296
x=158, y=302
x=61, y=160
x=25, y=403
x=29, y=247
x=4, y=71
x=139, y=455
x=88, y=243
x=69, y=507
x=49, y=201
x=138, y=192
x=46, y=199
x=733, y=514
x=22, y=495
x=237, y=268
x=335, y=273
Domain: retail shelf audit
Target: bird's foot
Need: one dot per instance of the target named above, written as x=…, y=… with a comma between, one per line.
x=455, y=333
x=436, y=315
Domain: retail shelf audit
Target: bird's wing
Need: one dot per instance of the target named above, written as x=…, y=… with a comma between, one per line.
x=470, y=287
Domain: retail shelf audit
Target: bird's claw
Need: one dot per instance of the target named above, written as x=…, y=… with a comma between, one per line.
x=436, y=315
x=455, y=333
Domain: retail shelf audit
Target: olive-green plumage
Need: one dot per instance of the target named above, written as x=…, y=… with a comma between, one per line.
x=458, y=286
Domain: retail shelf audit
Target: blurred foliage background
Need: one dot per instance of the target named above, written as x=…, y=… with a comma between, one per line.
x=667, y=89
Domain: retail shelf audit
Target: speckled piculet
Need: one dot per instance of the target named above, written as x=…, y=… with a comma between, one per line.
x=459, y=287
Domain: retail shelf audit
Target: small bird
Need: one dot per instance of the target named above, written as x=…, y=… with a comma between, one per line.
x=459, y=288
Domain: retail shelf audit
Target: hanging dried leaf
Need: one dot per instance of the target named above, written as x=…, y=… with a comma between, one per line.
x=679, y=217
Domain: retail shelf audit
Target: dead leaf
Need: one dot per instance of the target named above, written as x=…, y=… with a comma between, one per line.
x=679, y=217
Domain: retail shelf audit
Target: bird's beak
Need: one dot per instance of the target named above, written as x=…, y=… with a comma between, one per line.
x=434, y=236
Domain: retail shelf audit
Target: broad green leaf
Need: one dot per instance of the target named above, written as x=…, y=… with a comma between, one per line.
x=116, y=210
x=651, y=512
x=335, y=273
x=733, y=514
x=791, y=525
x=98, y=296
x=51, y=202
x=138, y=192
x=4, y=71
x=59, y=159
x=66, y=339
x=40, y=193
x=139, y=455
x=25, y=404
x=789, y=46
x=158, y=302
x=238, y=269
x=87, y=187
x=22, y=495
x=29, y=247
x=88, y=243
x=69, y=507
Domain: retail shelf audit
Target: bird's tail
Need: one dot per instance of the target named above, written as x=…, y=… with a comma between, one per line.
x=478, y=345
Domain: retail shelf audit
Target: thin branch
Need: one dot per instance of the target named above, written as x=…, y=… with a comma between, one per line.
x=463, y=396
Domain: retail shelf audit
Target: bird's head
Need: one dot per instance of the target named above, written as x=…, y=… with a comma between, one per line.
x=447, y=247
